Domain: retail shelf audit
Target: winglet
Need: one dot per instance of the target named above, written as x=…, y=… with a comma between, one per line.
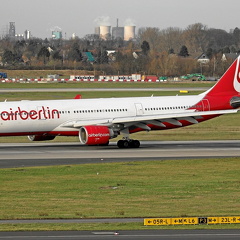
x=78, y=96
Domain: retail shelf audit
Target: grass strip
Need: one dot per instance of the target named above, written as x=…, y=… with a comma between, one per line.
x=108, y=85
x=18, y=96
x=176, y=188
x=103, y=227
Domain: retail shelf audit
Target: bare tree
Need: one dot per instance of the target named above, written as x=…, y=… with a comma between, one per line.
x=170, y=38
x=150, y=35
x=195, y=38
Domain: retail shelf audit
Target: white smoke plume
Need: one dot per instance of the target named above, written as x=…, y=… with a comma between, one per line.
x=129, y=22
x=56, y=29
x=102, y=21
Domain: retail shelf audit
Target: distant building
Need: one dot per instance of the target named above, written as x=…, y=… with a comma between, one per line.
x=111, y=55
x=27, y=34
x=97, y=30
x=129, y=32
x=118, y=32
x=74, y=36
x=56, y=35
x=126, y=33
x=12, y=30
x=87, y=56
x=19, y=37
x=231, y=56
x=103, y=31
x=203, y=58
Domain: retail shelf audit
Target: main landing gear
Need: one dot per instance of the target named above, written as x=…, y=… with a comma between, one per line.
x=128, y=143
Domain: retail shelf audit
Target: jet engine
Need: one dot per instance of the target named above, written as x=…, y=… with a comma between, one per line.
x=95, y=135
x=40, y=137
x=235, y=102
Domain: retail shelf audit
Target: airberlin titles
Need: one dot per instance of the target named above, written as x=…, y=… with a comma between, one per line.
x=22, y=114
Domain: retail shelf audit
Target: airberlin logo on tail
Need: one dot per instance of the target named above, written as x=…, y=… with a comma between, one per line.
x=236, y=82
x=21, y=114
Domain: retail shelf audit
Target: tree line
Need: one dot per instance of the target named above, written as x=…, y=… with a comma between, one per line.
x=167, y=52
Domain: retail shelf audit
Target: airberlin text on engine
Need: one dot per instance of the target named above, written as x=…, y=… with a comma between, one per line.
x=40, y=113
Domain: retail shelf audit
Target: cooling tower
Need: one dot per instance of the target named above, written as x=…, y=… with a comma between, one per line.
x=105, y=32
x=129, y=32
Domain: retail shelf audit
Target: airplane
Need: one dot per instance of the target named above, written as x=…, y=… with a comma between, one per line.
x=96, y=121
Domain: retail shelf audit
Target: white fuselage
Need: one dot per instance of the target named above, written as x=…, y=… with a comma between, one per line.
x=33, y=117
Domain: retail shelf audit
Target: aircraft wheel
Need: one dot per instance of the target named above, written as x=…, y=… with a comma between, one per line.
x=123, y=143
x=136, y=144
x=126, y=143
x=120, y=144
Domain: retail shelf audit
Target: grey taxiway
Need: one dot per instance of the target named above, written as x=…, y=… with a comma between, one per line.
x=50, y=153
x=133, y=235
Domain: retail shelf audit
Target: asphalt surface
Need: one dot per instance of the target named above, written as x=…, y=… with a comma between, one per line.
x=46, y=154
x=133, y=235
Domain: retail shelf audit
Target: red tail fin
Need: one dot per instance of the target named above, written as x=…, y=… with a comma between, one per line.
x=229, y=83
x=225, y=94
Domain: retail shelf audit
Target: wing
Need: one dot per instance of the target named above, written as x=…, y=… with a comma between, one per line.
x=192, y=116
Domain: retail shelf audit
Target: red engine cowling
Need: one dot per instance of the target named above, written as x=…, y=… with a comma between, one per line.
x=94, y=135
x=40, y=137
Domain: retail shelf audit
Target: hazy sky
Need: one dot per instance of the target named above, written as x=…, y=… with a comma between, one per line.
x=82, y=16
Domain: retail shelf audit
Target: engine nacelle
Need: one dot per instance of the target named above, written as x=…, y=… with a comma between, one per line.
x=95, y=135
x=40, y=137
x=235, y=102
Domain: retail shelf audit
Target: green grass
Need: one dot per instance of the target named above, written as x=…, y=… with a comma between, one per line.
x=103, y=227
x=108, y=85
x=12, y=96
x=141, y=189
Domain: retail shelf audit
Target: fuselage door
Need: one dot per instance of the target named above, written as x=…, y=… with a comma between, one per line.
x=139, y=109
x=205, y=104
